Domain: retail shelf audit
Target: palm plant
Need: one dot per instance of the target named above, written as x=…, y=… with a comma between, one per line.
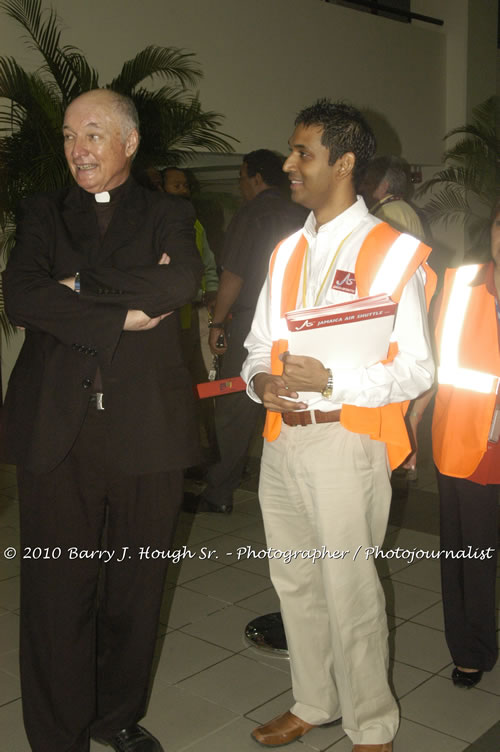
x=469, y=184
x=173, y=122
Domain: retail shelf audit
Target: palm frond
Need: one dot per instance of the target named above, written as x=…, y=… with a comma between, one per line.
x=45, y=38
x=165, y=62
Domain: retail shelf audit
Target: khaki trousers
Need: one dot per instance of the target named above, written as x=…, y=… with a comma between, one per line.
x=323, y=486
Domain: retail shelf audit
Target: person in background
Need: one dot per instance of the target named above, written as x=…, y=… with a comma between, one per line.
x=266, y=217
x=466, y=448
x=194, y=315
x=325, y=477
x=385, y=187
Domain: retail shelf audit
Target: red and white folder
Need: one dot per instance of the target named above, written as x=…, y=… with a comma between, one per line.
x=347, y=335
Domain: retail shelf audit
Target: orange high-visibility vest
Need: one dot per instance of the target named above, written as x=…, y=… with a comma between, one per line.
x=386, y=261
x=468, y=373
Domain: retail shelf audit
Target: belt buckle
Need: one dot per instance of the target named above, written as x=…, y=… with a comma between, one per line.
x=99, y=398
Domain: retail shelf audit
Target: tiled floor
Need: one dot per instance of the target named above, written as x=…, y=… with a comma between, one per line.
x=210, y=688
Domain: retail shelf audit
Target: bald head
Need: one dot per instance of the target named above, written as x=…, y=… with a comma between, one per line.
x=101, y=136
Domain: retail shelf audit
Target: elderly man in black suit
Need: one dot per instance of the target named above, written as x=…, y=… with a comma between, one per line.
x=100, y=422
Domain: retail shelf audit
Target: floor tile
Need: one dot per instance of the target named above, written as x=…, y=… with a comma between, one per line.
x=225, y=628
x=255, y=532
x=9, y=512
x=405, y=600
x=234, y=736
x=414, y=737
x=13, y=734
x=192, y=534
x=268, y=709
x=419, y=646
x=9, y=632
x=268, y=658
x=9, y=662
x=179, y=719
x=229, y=584
x=9, y=593
x=191, y=568
x=254, y=561
x=431, y=617
x=181, y=607
x=183, y=656
x=425, y=574
x=10, y=688
x=409, y=539
x=404, y=678
x=438, y=704
x=238, y=684
x=262, y=603
x=7, y=479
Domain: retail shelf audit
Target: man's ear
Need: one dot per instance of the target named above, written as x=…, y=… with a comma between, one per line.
x=132, y=143
x=346, y=164
x=259, y=181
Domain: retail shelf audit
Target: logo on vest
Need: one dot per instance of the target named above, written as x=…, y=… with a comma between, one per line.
x=344, y=281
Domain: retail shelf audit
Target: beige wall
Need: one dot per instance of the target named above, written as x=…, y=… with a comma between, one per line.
x=265, y=59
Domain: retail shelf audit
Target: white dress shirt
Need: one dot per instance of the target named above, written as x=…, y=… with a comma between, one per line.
x=410, y=373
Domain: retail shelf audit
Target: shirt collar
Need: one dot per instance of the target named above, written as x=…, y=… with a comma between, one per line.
x=343, y=223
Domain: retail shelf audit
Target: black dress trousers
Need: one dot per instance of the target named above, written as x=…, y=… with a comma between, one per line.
x=469, y=524
x=92, y=582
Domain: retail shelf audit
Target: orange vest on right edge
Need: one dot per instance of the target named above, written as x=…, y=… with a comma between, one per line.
x=388, y=258
x=467, y=338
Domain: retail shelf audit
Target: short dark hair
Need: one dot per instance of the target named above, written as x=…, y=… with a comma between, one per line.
x=268, y=164
x=344, y=130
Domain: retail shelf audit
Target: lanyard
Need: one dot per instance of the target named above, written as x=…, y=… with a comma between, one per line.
x=304, y=276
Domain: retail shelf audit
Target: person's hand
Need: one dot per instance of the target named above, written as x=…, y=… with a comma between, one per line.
x=303, y=374
x=68, y=282
x=213, y=336
x=164, y=259
x=272, y=389
x=138, y=321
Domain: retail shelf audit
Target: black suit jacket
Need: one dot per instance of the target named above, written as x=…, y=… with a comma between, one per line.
x=148, y=394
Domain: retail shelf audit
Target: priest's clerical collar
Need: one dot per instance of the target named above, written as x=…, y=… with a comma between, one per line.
x=106, y=196
x=103, y=198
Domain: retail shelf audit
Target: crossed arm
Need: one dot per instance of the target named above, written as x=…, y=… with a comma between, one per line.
x=112, y=299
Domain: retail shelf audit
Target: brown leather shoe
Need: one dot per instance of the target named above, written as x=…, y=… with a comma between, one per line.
x=387, y=747
x=281, y=730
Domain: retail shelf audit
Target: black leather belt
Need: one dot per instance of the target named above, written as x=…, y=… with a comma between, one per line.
x=310, y=417
x=96, y=400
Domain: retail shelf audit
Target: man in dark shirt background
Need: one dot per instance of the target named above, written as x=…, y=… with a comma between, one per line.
x=266, y=218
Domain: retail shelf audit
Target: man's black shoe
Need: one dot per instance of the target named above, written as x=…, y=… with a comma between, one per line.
x=197, y=503
x=135, y=739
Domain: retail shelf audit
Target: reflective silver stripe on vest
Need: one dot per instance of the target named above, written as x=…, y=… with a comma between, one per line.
x=394, y=265
x=450, y=372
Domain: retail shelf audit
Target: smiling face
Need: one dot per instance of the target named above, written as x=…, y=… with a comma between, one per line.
x=98, y=154
x=326, y=189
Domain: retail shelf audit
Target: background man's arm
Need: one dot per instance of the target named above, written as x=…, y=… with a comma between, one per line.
x=229, y=288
